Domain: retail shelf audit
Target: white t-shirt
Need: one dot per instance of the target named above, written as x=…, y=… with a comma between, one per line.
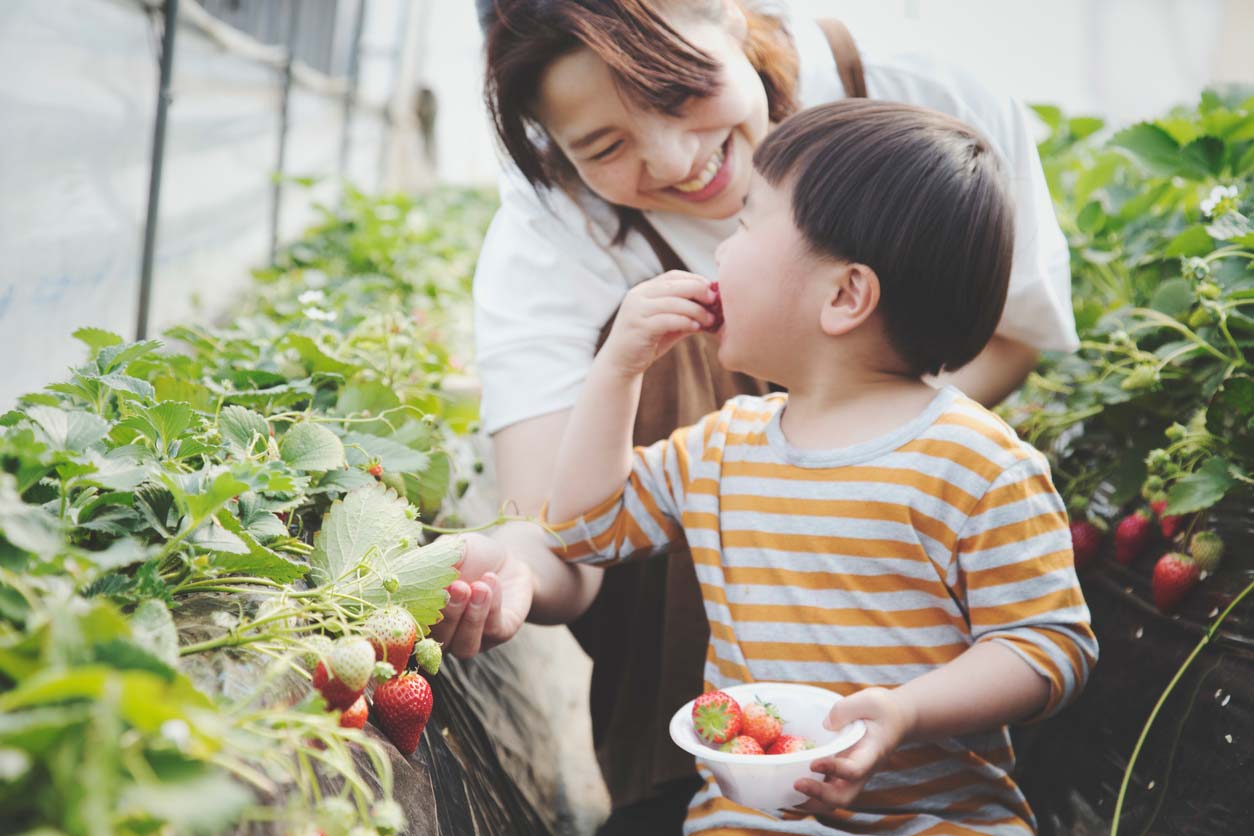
x=548, y=278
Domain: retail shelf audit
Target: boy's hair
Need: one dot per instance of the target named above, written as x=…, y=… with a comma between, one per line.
x=917, y=196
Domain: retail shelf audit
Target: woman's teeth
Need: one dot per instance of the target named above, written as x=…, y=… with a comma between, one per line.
x=703, y=179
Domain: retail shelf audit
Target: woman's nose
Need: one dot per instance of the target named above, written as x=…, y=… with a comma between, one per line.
x=671, y=156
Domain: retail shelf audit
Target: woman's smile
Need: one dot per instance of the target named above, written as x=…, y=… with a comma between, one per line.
x=711, y=179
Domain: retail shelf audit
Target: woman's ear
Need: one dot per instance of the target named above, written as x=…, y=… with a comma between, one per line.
x=854, y=295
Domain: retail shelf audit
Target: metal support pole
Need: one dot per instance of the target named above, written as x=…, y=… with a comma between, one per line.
x=293, y=24
x=350, y=96
x=170, y=15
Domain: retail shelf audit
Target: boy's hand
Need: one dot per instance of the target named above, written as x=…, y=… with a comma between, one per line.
x=655, y=315
x=888, y=718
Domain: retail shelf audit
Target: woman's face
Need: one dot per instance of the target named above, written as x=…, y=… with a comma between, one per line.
x=697, y=162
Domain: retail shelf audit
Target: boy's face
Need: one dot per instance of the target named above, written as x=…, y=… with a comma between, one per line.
x=764, y=271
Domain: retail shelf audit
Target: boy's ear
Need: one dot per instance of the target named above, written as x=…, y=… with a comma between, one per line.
x=854, y=295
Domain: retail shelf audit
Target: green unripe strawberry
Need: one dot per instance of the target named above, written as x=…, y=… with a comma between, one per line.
x=1142, y=377
x=315, y=648
x=1207, y=550
x=429, y=655
x=1201, y=317
x=1209, y=290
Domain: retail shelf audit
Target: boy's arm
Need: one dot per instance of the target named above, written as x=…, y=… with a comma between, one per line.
x=595, y=456
x=1033, y=647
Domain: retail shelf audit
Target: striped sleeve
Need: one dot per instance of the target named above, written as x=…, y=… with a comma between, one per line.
x=1017, y=573
x=643, y=519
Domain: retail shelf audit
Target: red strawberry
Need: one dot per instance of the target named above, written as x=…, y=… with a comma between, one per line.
x=375, y=470
x=342, y=677
x=742, y=745
x=1207, y=550
x=1174, y=575
x=716, y=308
x=402, y=706
x=761, y=721
x=1131, y=536
x=392, y=632
x=354, y=717
x=1170, y=524
x=716, y=717
x=1086, y=543
x=786, y=744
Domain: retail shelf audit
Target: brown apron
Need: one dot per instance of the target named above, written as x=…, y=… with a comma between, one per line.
x=647, y=631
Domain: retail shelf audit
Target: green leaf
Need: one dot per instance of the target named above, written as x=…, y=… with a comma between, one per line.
x=126, y=383
x=115, y=357
x=1201, y=489
x=1091, y=218
x=1084, y=126
x=221, y=490
x=371, y=529
x=243, y=429
x=61, y=430
x=1194, y=241
x=208, y=803
x=168, y=388
x=152, y=627
x=1204, y=156
x=257, y=560
x=310, y=446
x=1051, y=115
x=96, y=338
x=316, y=360
x=1150, y=145
x=1173, y=297
x=362, y=447
x=29, y=527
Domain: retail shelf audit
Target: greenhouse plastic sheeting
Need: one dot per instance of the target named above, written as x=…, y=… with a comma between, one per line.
x=78, y=84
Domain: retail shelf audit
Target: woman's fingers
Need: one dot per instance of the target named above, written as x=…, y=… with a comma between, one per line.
x=458, y=599
x=469, y=636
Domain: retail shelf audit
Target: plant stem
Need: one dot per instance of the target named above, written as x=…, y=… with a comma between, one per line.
x=1136, y=751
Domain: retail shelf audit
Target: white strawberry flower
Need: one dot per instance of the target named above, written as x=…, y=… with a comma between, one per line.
x=1222, y=200
x=312, y=297
x=319, y=315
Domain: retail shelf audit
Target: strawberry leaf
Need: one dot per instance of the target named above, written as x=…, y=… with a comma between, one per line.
x=1200, y=489
x=310, y=446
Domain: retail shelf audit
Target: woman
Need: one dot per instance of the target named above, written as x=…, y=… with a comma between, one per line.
x=630, y=126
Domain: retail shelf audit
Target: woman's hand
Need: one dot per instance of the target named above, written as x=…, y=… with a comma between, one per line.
x=655, y=315
x=889, y=719
x=489, y=601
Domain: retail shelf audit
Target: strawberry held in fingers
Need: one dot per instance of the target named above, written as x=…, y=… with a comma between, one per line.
x=716, y=308
x=716, y=717
x=1174, y=575
x=1132, y=535
x=402, y=706
x=392, y=632
x=342, y=676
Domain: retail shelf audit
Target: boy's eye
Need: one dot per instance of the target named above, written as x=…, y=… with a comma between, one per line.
x=600, y=155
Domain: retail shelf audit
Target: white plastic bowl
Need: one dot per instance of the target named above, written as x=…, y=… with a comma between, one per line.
x=765, y=782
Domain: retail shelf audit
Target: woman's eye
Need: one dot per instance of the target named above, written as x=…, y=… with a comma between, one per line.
x=600, y=155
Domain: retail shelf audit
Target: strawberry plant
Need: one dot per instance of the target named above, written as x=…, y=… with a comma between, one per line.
x=190, y=535
x=1154, y=411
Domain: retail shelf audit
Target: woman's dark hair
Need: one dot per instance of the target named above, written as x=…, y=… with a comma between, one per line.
x=917, y=196
x=652, y=64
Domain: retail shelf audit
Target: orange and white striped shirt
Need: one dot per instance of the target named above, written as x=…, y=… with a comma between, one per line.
x=869, y=565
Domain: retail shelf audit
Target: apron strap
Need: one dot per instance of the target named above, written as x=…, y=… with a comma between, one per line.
x=848, y=60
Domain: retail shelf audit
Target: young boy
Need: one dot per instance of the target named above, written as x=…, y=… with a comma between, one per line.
x=866, y=532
